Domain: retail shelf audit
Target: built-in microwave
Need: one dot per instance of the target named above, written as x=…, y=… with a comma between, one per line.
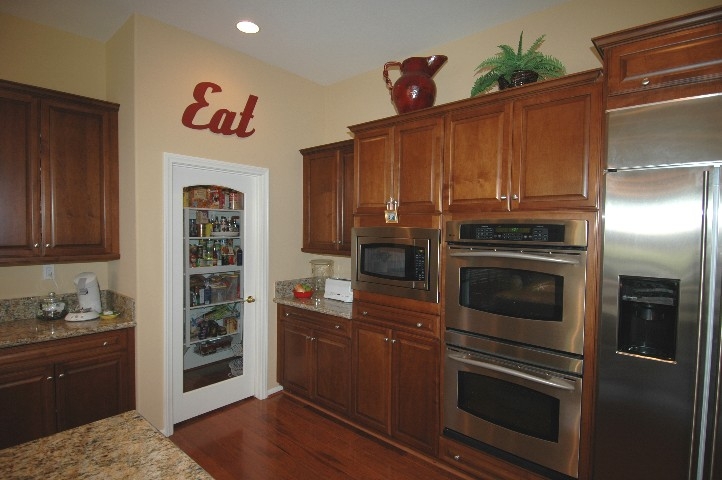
x=398, y=261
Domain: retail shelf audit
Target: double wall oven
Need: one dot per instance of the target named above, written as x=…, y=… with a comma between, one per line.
x=515, y=306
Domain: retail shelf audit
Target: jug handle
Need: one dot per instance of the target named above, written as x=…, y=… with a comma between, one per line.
x=386, y=73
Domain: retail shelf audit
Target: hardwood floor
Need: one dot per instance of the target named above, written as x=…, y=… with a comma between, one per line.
x=282, y=438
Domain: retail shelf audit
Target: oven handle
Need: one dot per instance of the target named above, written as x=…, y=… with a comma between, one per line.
x=557, y=383
x=515, y=255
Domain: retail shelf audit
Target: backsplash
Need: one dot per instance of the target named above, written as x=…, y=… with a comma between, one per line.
x=27, y=307
x=284, y=288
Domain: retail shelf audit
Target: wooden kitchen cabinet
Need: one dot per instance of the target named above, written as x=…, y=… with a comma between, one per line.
x=674, y=58
x=58, y=177
x=398, y=163
x=56, y=385
x=396, y=375
x=535, y=151
x=314, y=360
x=328, y=198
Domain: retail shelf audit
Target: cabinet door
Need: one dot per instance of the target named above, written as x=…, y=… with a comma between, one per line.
x=476, y=170
x=321, y=201
x=295, y=357
x=332, y=373
x=372, y=376
x=417, y=169
x=90, y=389
x=19, y=176
x=373, y=165
x=415, y=384
x=347, y=161
x=79, y=178
x=27, y=403
x=556, y=149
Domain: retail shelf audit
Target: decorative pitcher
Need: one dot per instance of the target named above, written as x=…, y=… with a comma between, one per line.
x=414, y=89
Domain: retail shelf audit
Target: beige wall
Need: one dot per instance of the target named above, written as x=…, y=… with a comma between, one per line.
x=151, y=69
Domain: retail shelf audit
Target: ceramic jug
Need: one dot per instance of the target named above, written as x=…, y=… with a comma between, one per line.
x=414, y=89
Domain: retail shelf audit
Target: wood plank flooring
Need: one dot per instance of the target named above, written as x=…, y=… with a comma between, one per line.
x=281, y=438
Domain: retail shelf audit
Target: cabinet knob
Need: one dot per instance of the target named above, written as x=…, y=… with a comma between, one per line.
x=337, y=327
x=386, y=339
x=645, y=81
x=288, y=314
x=36, y=245
x=250, y=299
x=49, y=378
x=61, y=375
x=393, y=341
x=313, y=338
x=457, y=457
x=105, y=343
x=364, y=313
x=47, y=245
x=503, y=197
x=419, y=325
x=515, y=197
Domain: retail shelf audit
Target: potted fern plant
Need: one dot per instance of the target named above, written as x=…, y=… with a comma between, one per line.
x=510, y=68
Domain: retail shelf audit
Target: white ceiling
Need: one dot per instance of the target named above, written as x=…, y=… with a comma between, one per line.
x=325, y=41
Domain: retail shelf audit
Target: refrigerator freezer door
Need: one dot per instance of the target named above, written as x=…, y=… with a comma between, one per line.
x=654, y=224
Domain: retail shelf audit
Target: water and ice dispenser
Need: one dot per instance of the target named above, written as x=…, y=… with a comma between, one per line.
x=648, y=317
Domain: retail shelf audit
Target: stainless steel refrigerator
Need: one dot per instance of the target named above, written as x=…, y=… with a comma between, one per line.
x=657, y=406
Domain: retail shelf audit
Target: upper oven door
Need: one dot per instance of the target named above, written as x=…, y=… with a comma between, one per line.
x=527, y=296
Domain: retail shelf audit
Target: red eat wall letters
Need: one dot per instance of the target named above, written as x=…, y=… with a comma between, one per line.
x=222, y=120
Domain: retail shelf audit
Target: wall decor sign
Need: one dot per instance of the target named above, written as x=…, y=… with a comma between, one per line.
x=223, y=120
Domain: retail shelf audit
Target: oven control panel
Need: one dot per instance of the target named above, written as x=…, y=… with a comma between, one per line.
x=560, y=232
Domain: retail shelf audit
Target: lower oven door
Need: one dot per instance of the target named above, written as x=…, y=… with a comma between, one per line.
x=531, y=413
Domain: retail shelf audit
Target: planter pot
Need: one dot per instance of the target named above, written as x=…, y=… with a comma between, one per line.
x=518, y=78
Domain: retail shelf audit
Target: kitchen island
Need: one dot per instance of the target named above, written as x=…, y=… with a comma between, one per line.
x=124, y=446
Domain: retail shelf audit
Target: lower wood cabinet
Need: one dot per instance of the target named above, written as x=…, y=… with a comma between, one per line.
x=314, y=357
x=60, y=384
x=381, y=378
x=396, y=386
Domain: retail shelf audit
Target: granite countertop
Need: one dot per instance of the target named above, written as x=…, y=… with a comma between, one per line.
x=321, y=305
x=26, y=331
x=125, y=446
x=284, y=296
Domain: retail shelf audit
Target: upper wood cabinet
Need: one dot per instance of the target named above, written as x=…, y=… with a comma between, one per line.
x=537, y=151
x=328, y=198
x=58, y=177
x=399, y=163
x=675, y=58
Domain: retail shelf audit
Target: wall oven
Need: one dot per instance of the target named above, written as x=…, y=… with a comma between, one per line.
x=398, y=261
x=514, y=309
x=519, y=281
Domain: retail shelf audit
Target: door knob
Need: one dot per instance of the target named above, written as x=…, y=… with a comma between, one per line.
x=249, y=299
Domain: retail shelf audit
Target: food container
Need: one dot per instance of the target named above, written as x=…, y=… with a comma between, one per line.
x=51, y=308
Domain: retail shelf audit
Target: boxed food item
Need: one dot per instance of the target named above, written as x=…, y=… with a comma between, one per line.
x=199, y=197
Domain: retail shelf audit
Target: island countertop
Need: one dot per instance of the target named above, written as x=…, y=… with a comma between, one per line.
x=125, y=446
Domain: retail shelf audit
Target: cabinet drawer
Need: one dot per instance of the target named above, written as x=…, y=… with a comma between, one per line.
x=666, y=61
x=661, y=61
x=422, y=323
x=82, y=346
x=329, y=323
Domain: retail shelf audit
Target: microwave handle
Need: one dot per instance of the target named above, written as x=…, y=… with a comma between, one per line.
x=556, y=383
x=514, y=255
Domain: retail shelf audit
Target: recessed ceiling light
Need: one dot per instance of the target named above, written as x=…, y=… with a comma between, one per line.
x=246, y=26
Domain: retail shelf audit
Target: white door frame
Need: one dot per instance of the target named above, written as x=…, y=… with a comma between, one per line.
x=259, y=176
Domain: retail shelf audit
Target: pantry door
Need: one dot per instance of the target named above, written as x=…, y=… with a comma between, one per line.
x=211, y=368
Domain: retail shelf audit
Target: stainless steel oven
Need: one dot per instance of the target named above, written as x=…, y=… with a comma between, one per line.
x=519, y=403
x=522, y=281
x=514, y=309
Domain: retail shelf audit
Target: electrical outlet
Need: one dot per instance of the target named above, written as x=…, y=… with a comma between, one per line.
x=48, y=272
